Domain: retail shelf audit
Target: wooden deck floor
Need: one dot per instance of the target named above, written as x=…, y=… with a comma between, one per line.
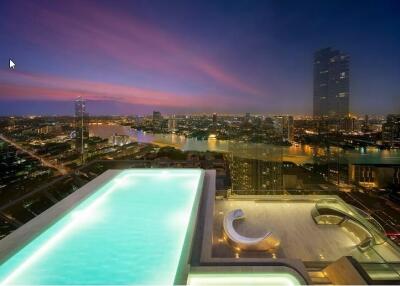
x=292, y=222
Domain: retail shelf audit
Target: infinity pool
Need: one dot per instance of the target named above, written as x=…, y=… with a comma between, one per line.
x=133, y=229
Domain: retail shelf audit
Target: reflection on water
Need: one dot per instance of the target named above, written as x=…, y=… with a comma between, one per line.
x=298, y=154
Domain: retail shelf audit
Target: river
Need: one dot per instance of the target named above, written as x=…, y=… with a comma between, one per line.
x=298, y=154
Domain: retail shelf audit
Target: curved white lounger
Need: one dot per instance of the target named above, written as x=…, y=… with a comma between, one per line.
x=265, y=242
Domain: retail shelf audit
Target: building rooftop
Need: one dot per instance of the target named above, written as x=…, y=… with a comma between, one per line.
x=310, y=229
x=166, y=226
x=300, y=237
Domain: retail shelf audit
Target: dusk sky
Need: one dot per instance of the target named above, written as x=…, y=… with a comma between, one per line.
x=132, y=57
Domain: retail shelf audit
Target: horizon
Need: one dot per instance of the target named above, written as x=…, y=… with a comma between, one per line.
x=140, y=56
x=180, y=113
x=234, y=141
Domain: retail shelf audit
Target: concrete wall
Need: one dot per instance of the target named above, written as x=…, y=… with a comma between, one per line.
x=343, y=272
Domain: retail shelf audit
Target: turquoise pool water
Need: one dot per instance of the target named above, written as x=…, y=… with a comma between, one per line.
x=129, y=231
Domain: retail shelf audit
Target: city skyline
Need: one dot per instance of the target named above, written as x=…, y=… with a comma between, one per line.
x=133, y=59
x=199, y=142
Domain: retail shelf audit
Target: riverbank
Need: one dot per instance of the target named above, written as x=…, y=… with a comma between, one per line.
x=299, y=154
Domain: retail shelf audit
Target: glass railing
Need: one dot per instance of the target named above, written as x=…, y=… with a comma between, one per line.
x=382, y=271
x=340, y=208
x=255, y=168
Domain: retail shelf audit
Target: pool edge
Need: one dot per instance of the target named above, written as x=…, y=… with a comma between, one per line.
x=183, y=268
x=18, y=239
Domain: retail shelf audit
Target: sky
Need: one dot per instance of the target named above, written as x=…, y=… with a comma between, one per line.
x=132, y=57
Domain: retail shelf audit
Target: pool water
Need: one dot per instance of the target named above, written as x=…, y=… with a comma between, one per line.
x=129, y=231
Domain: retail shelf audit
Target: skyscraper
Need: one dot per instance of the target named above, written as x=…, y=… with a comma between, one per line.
x=247, y=117
x=157, y=116
x=365, y=126
x=157, y=120
x=284, y=127
x=214, y=122
x=81, y=126
x=348, y=124
x=391, y=130
x=172, y=124
x=331, y=84
x=255, y=175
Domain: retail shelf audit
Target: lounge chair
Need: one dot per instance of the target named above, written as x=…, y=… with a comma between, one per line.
x=265, y=242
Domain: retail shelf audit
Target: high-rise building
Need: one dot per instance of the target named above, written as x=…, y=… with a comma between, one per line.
x=214, y=122
x=214, y=119
x=172, y=123
x=157, y=116
x=391, y=130
x=348, y=124
x=255, y=175
x=157, y=119
x=331, y=84
x=284, y=126
x=247, y=117
x=81, y=127
x=365, y=125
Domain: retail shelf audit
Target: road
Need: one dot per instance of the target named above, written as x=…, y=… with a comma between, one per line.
x=44, y=161
x=380, y=215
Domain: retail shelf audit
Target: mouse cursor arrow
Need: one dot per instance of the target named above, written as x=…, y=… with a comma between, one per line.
x=11, y=64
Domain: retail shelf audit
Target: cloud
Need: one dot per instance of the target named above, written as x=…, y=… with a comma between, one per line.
x=20, y=86
x=90, y=29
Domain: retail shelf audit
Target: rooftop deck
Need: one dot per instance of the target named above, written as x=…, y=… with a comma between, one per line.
x=301, y=238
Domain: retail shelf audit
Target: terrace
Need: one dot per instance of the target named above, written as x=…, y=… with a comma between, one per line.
x=302, y=239
x=173, y=217
x=118, y=229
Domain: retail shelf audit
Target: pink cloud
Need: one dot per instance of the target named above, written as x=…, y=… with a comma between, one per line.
x=228, y=80
x=15, y=85
x=97, y=32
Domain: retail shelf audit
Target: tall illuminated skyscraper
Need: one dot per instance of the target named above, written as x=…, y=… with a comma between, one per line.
x=81, y=127
x=284, y=126
x=391, y=130
x=331, y=84
x=172, y=123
